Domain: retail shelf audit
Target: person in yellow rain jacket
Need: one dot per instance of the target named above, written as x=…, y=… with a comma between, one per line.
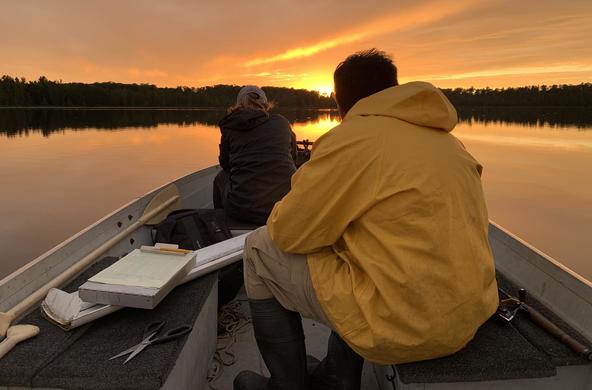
x=383, y=238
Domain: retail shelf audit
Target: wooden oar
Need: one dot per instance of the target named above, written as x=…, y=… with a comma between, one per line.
x=15, y=335
x=164, y=202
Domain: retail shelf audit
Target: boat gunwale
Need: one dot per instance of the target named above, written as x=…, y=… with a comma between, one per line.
x=556, y=266
x=562, y=291
x=547, y=257
x=4, y=282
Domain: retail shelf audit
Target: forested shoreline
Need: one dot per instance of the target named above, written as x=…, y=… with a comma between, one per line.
x=15, y=92
x=579, y=95
x=18, y=92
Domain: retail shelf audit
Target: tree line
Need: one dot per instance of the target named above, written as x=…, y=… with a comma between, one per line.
x=47, y=93
x=556, y=117
x=532, y=96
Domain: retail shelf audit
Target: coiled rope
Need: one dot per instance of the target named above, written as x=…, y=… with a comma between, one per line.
x=231, y=322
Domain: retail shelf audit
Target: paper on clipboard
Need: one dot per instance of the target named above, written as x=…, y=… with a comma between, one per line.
x=143, y=269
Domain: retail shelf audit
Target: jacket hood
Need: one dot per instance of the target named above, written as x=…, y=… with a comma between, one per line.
x=244, y=120
x=417, y=102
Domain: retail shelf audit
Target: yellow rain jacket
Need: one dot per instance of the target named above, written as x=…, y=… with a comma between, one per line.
x=391, y=215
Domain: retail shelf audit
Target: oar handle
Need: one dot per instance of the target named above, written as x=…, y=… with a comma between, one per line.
x=554, y=330
x=6, y=346
x=5, y=321
x=15, y=335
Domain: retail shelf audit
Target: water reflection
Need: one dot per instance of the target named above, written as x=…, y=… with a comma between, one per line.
x=511, y=134
x=558, y=117
x=311, y=123
x=23, y=122
x=63, y=169
x=538, y=184
x=314, y=128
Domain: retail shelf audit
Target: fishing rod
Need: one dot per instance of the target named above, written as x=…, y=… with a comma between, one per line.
x=305, y=143
x=510, y=306
x=302, y=151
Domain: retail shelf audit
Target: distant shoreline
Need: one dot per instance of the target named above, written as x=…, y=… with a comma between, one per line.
x=44, y=93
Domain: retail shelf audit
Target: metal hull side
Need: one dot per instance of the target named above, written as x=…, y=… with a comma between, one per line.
x=561, y=290
x=195, y=190
x=191, y=368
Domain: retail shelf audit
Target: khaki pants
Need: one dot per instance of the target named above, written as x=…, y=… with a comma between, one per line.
x=270, y=272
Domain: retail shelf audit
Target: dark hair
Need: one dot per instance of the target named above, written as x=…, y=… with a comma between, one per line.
x=362, y=74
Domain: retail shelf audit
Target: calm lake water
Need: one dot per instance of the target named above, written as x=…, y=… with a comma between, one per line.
x=61, y=170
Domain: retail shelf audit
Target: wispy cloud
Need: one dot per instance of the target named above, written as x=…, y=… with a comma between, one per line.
x=457, y=42
x=308, y=51
x=277, y=75
x=403, y=19
x=531, y=70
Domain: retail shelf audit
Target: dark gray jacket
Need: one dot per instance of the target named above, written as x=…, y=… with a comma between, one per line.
x=257, y=151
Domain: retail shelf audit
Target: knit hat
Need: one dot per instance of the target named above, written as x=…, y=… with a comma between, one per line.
x=255, y=93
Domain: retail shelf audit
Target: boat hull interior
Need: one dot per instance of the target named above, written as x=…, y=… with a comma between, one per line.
x=563, y=295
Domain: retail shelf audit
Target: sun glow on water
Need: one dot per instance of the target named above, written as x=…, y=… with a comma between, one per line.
x=313, y=129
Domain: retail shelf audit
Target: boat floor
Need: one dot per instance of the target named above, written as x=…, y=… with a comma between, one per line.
x=498, y=353
x=80, y=358
x=247, y=356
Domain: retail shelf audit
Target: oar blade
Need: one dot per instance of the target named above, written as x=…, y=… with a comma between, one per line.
x=161, y=198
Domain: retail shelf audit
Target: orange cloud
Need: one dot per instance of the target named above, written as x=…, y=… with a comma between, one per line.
x=307, y=51
x=403, y=19
x=532, y=70
x=456, y=43
x=135, y=72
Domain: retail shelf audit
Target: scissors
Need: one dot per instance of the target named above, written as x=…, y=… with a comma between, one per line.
x=151, y=330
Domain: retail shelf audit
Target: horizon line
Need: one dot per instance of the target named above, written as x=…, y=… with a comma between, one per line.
x=60, y=81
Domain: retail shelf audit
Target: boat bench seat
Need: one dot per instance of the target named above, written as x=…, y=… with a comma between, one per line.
x=238, y=227
x=80, y=358
x=234, y=224
x=499, y=351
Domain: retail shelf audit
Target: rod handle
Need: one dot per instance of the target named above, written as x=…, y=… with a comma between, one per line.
x=554, y=330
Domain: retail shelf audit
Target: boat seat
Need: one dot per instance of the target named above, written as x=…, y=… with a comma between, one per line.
x=236, y=225
x=79, y=358
x=499, y=352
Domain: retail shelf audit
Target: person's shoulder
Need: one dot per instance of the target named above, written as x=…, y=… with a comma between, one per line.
x=223, y=123
x=279, y=118
x=347, y=130
x=344, y=137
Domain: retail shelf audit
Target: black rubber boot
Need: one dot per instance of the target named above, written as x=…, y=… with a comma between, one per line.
x=280, y=339
x=340, y=370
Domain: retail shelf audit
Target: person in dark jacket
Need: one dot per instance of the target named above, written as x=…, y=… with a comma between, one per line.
x=257, y=154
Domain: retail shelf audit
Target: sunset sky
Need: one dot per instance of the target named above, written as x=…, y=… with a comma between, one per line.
x=296, y=43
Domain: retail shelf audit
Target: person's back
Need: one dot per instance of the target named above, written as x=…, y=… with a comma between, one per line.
x=382, y=237
x=256, y=154
x=398, y=251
